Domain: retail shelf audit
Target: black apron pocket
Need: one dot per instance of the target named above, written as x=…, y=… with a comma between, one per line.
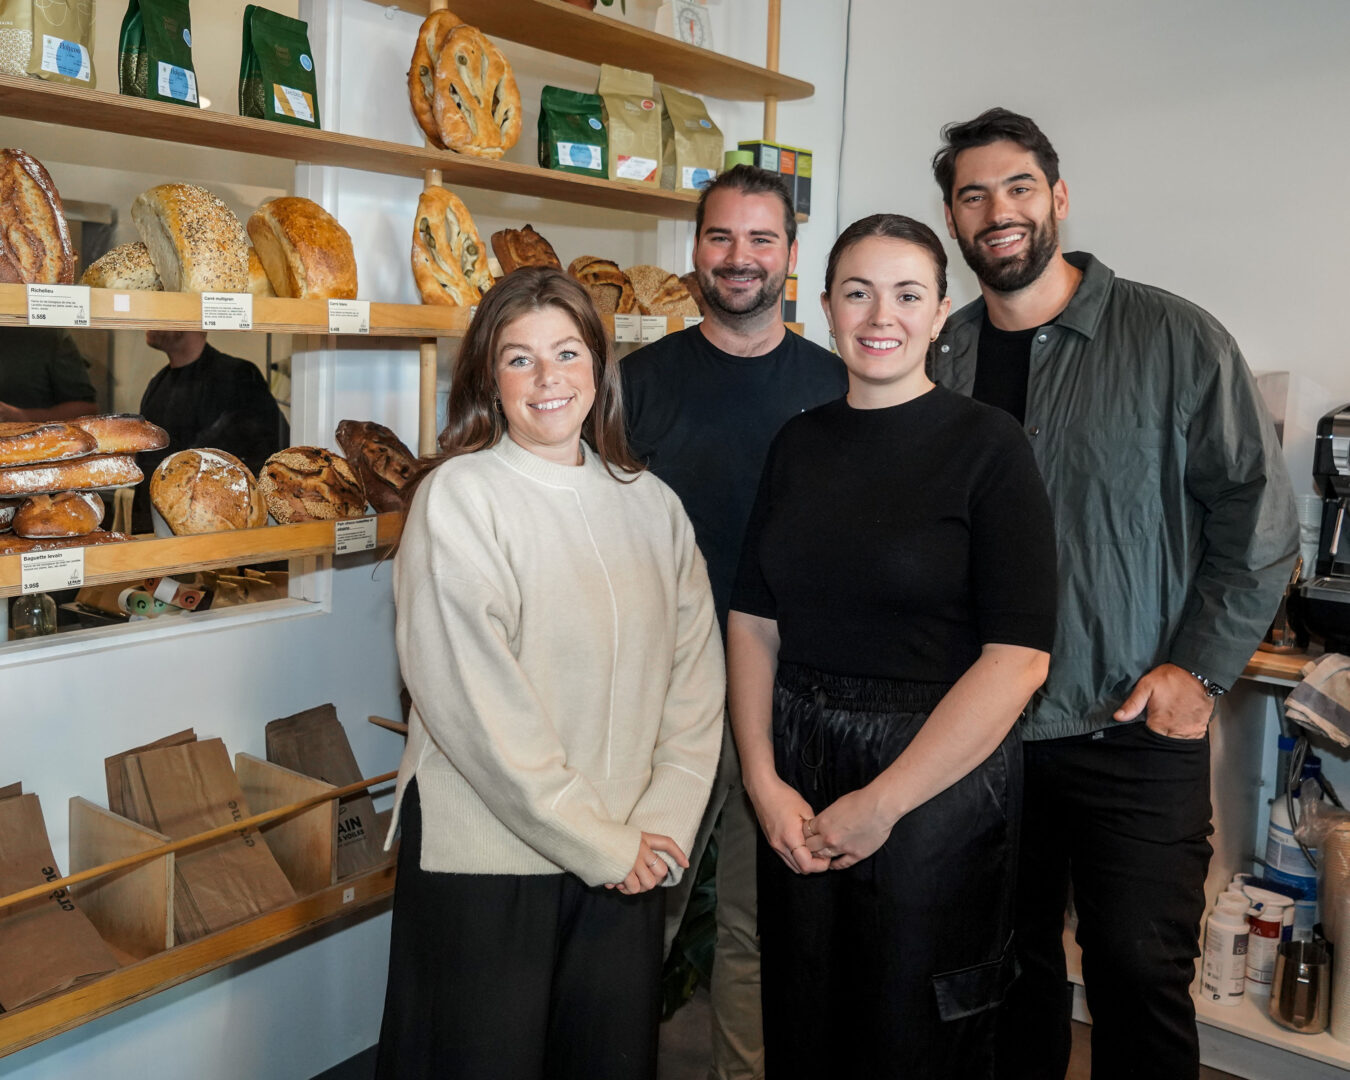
x=971, y=990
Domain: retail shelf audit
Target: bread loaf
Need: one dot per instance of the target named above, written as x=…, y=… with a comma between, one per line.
x=67, y=513
x=462, y=89
x=122, y=433
x=8, y=507
x=29, y=442
x=126, y=266
x=610, y=289
x=96, y=472
x=19, y=545
x=258, y=284
x=35, y=244
x=448, y=260
x=383, y=464
x=304, y=250
x=194, y=239
x=309, y=483
x=659, y=292
x=204, y=491
x=515, y=248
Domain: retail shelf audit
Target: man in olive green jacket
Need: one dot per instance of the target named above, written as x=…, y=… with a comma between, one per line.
x=1176, y=531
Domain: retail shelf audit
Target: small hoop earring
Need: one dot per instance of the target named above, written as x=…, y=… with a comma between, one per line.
x=497, y=403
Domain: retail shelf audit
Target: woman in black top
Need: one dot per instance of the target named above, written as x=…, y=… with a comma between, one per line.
x=892, y=616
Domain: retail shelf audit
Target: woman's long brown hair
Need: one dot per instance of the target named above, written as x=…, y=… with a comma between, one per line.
x=472, y=420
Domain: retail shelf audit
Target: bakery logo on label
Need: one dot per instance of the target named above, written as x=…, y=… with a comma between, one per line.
x=648, y=104
x=306, y=62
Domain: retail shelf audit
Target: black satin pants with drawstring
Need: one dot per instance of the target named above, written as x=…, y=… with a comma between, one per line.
x=894, y=967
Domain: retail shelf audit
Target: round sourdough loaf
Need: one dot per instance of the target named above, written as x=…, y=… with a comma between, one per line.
x=67, y=513
x=203, y=491
x=309, y=483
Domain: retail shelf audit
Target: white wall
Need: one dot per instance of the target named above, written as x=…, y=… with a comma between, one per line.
x=1203, y=142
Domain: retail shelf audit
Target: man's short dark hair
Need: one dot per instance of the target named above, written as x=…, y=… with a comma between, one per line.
x=750, y=180
x=991, y=126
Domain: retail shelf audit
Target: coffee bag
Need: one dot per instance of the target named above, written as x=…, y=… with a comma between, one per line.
x=62, y=32
x=16, y=36
x=572, y=132
x=691, y=144
x=633, y=122
x=276, y=69
x=154, y=52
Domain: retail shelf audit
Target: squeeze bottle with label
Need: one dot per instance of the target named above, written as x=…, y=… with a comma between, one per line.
x=1224, y=969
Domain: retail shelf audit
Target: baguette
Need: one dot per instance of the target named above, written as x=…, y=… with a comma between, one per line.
x=31, y=442
x=19, y=545
x=122, y=433
x=8, y=508
x=67, y=513
x=35, y=243
x=92, y=473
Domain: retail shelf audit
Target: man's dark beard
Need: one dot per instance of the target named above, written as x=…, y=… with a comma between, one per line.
x=1012, y=275
x=770, y=293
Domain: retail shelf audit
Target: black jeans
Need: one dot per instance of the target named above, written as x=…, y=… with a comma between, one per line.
x=506, y=977
x=894, y=967
x=1123, y=815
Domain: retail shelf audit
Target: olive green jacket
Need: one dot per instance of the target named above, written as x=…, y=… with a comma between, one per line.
x=1173, y=509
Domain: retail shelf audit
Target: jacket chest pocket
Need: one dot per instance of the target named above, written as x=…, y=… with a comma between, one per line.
x=1107, y=484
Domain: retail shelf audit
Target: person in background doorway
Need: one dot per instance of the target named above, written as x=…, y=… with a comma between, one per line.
x=892, y=615
x=1176, y=531
x=557, y=636
x=204, y=398
x=42, y=375
x=702, y=407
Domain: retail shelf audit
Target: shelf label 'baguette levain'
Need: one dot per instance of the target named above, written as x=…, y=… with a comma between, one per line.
x=58, y=305
x=47, y=571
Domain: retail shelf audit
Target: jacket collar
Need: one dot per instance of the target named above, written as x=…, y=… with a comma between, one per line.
x=1085, y=308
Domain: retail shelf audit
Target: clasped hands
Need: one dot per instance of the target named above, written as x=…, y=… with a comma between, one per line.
x=649, y=869
x=847, y=831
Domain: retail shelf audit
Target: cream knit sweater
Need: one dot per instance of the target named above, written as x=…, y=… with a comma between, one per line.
x=556, y=632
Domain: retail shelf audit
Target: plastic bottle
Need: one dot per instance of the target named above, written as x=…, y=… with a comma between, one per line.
x=1263, y=944
x=1224, y=969
x=1287, y=865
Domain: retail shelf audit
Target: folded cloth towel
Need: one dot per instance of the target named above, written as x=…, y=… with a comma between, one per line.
x=1322, y=700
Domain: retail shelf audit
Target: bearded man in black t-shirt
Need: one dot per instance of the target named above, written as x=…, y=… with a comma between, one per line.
x=702, y=406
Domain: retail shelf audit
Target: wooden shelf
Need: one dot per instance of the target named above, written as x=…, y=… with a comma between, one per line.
x=1283, y=668
x=96, y=110
x=365, y=893
x=567, y=30
x=135, y=559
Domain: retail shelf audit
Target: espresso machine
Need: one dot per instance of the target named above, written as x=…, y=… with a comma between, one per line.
x=1326, y=596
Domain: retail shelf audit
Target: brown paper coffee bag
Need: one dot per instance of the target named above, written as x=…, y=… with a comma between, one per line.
x=691, y=144
x=63, y=31
x=633, y=122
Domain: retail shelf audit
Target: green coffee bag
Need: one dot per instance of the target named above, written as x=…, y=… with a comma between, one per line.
x=276, y=69
x=572, y=132
x=154, y=52
x=62, y=32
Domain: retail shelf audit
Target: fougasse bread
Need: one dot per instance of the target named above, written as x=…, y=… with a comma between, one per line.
x=383, y=464
x=33, y=441
x=35, y=243
x=449, y=262
x=96, y=472
x=194, y=239
x=304, y=251
x=122, y=433
x=66, y=513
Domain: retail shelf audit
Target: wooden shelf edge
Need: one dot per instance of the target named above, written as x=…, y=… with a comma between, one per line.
x=25, y=1027
x=567, y=30
x=1278, y=667
x=149, y=558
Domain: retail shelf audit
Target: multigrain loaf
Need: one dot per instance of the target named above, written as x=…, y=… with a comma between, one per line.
x=127, y=266
x=304, y=251
x=610, y=290
x=206, y=490
x=35, y=243
x=194, y=239
x=309, y=483
x=660, y=292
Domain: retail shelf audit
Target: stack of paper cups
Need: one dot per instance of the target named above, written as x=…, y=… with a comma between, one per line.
x=1336, y=921
x=1339, y=1027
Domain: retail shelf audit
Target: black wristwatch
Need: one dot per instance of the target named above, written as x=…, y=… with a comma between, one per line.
x=1212, y=689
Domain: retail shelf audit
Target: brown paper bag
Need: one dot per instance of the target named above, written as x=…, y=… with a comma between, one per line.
x=10, y=790
x=314, y=743
x=633, y=122
x=187, y=789
x=46, y=945
x=112, y=766
x=691, y=144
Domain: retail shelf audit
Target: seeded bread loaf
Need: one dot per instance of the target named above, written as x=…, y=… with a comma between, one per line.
x=304, y=251
x=35, y=243
x=127, y=266
x=194, y=239
x=309, y=483
x=659, y=292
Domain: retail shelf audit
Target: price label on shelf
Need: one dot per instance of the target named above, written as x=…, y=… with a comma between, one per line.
x=354, y=534
x=627, y=327
x=58, y=305
x=653, y=327
x=692, y=320
x=47, y=571
x=227, y=311
x=349, y=316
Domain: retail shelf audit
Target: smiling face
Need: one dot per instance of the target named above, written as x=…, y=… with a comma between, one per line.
x=546, y=380
x=742, y=256
x=884, y=311
x=1004, y=215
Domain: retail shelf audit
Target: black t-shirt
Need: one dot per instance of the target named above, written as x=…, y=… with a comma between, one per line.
x=41, y=366
x=217, y=401
x=1003, y=367
x=702, y=420
x=895, y=542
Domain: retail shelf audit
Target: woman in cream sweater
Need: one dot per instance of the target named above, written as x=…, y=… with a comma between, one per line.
x=556, y=633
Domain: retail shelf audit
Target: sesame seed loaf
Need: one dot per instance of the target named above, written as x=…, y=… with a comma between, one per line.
x=194, y=239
